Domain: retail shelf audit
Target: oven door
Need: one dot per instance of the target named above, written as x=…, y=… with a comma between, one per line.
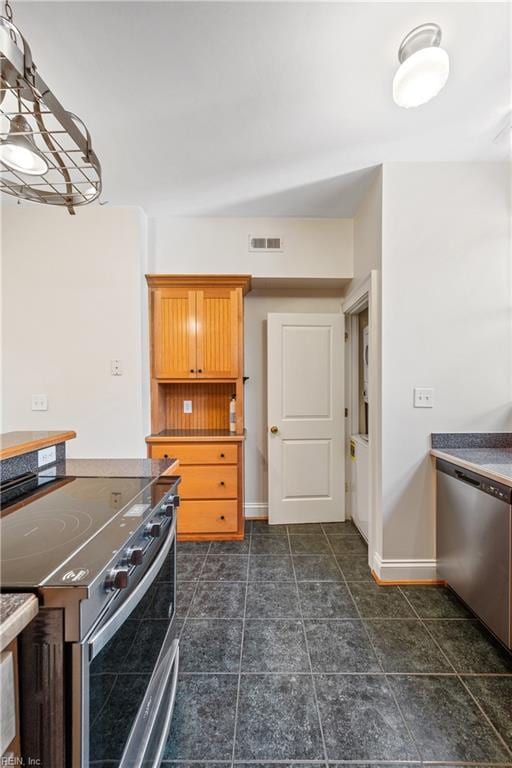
x=128, y=668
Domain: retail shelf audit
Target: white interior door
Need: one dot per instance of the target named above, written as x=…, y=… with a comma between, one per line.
x=306, y=468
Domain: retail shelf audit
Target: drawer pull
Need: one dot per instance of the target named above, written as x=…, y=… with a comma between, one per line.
x=222, y=456
x=166, y=455
x=222, y=483
x=222, y=517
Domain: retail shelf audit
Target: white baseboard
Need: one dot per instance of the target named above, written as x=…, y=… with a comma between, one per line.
x=254, y=509
x=404, y=570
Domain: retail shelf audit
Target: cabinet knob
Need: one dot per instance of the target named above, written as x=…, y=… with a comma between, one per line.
x=166, y=455
x=222, y=482
x=199, y=370
x=222, y=517
x=192, y=370
x=222, y=456
x=274, y=430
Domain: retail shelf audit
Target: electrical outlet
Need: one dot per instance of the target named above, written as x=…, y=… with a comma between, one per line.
x=116, y=500
x=46, y=456
x=423, y=397
x=116, y=368
x=39, y=403
x=187, y=406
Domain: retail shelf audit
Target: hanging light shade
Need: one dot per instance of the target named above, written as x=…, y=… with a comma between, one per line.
x=19, y=152
x=46, y=153
x=424, y=67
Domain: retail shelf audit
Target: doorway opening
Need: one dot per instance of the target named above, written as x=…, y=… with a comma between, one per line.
x=361, y=406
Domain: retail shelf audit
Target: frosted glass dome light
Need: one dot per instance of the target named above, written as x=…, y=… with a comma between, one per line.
x=424, y=67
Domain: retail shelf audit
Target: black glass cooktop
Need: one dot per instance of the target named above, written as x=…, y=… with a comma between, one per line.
x=46, y=526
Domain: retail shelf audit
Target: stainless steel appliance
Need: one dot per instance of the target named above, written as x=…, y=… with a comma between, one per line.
x=474, y=544
x=99, y=664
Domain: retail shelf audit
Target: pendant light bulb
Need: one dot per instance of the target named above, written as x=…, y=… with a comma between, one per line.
x=19, y=152
x=424, y=67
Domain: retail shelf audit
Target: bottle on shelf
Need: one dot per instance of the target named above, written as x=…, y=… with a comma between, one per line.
x=232, y=414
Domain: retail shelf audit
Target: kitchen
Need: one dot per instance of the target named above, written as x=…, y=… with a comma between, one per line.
x=299, y=640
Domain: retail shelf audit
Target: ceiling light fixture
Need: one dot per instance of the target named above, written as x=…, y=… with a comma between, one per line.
x=424, y=67
x=46, y=154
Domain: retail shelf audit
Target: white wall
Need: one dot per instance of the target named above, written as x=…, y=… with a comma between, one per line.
x=257, y=307
x=312, y=247
x=73, y=300
x=446, y=323
x=368, y=231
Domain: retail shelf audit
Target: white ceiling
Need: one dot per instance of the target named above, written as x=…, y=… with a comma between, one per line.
x=265, y=109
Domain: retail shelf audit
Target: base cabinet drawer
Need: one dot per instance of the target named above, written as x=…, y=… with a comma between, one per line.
x=207, y=517
x=207, y=453
x=209, y=482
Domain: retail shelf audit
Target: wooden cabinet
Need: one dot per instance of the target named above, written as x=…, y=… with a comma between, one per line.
x=173, y=330
x=196, y=326
x=196, y=333
x=218, y=314
x=210, y=492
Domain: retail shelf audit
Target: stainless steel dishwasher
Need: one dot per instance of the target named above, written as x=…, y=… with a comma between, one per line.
x=474, y=544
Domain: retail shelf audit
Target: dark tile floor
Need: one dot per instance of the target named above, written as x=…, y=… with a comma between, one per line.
x=290, y=653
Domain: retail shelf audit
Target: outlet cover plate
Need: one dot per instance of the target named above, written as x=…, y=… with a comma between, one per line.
x=39, y=403
x=46, y=456
x=423, y=397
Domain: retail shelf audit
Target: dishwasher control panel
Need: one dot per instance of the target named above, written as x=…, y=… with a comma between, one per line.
x=478, y=482
x=496, y=490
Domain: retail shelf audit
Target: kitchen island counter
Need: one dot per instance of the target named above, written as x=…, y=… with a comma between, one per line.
x=25, y=441
x=17, y=609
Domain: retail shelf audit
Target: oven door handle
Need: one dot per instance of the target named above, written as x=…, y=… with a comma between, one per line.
x=102, y=635
x=135, y=754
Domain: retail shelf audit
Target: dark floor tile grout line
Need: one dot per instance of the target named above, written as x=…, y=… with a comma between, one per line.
x=459, y=676
x=406, y=724
x=185, y=618
x=312, y=678
x=235, y=727
x=315, y=674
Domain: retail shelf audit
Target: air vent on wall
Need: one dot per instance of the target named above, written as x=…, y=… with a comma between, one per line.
x=265, y=243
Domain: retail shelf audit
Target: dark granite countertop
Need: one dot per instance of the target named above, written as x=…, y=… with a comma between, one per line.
x=489, y=454
x=16, y=611
x=116, y=467
x=193, y=434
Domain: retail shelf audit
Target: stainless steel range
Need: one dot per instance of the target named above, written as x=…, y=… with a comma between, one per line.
x=99, y=664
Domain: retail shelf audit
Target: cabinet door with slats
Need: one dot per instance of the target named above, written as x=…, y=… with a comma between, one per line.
x=218, y=315
x=174, y=333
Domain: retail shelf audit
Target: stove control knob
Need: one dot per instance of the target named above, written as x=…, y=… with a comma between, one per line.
x=167, y=510
x=153, y=530
x=134, y=556
x=117, y=578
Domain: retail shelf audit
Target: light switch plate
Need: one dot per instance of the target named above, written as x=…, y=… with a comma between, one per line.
x=39, y=403
x=187, y=406
x=423, y=397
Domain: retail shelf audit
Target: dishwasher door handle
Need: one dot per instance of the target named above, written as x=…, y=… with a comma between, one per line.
x=466, y=479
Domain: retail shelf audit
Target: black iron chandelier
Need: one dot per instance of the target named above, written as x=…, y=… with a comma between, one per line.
x=46, y=154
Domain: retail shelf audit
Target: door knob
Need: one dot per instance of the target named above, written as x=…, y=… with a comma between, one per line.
x=274, y=430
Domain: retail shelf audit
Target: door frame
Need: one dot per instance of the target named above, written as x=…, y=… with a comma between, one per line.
x=366, y=292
